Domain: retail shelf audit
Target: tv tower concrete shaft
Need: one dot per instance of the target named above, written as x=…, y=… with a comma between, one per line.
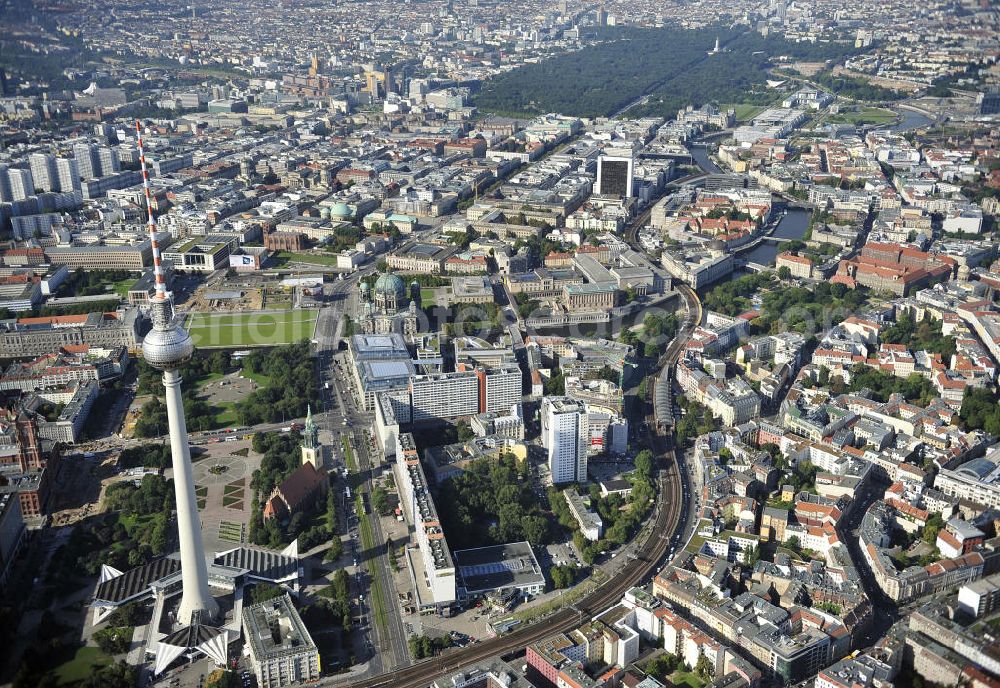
x=197, y=603
x=167, y=347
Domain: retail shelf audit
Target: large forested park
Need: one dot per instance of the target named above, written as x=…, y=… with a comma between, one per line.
x=671, y=65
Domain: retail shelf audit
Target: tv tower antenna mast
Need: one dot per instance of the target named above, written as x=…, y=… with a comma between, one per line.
x=167, y=347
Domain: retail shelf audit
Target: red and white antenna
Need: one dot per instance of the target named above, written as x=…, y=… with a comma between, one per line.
x=161, y=286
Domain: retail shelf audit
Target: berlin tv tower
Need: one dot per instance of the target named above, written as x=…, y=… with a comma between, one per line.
x=167, y=347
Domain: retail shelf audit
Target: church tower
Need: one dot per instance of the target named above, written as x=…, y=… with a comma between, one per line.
x=311, y=450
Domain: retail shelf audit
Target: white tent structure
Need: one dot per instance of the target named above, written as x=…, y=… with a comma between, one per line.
x=190, y=641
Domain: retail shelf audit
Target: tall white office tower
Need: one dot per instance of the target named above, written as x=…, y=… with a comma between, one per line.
x=67, y=175
x=54, y=174
x=565, y=434
x=167, y=347
x=43, y=171
x=95, y=161
x=21, y=184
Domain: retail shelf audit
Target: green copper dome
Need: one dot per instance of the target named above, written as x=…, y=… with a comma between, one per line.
x=341, y=211
x=390, y=283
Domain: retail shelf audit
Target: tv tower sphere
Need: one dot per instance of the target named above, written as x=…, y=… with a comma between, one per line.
x=168, y=345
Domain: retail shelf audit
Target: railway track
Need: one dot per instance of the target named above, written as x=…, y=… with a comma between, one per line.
x=646, y=562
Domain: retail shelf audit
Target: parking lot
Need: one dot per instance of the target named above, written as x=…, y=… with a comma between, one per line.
x=195, y=674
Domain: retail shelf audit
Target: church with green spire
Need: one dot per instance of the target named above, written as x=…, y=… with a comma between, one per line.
x=312, y=452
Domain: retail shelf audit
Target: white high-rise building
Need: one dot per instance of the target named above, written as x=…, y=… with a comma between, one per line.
x=444, y=395
x=417, y=505
x=67, y=175
x=43, y=171
x=20, y=183
x=54, y=174
x=96, y=161
x=565, y=434
x=500, y=388
x=465, y=392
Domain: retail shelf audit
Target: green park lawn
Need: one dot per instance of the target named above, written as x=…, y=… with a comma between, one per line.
x=226, y=414
x=81, y=665
x=686, y=678
x=285, y=257
x=261, y=379
x=227, y=330
x=121, y=287
x=744, y=111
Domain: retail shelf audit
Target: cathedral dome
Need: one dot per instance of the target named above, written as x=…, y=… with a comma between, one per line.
x=390, y=284
x=341, y=211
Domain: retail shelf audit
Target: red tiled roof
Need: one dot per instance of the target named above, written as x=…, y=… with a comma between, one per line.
x=301, y=484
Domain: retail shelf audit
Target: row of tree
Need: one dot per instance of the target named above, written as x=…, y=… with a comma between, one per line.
x=146, y=456
x=289, y=391
x=694, y=421
x=729, y=298
x=562, y=577
x=632, y=62
x=136, y=528
x=622, y=517
x=656, y=333
x=153, y=422
x=203, y=364
x=333, y=604
x=980, y=410
x=808, y=310
x=915, y=387
x=198, y=413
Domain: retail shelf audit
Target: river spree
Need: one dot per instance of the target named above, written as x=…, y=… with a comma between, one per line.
x=700, y=156
x=911, y=120
x=792, y=226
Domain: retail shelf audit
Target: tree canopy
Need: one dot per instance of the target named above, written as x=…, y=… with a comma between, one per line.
x=490, y=503
x=291, y=387
x=919, y=336
x=856, y=88
x=915, y=387
x=981, y=411
x=671, y=65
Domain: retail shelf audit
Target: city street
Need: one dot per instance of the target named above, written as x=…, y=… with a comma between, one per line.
x=384, y=639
